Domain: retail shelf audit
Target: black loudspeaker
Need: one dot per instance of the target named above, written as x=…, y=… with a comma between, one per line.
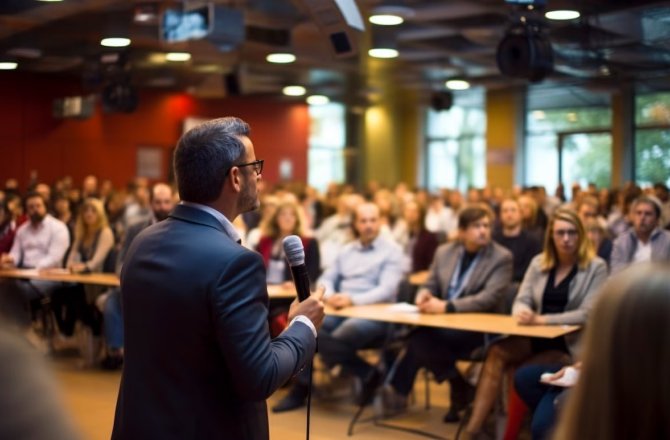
x=525, y=52
x=120, y=96
x=441, y=101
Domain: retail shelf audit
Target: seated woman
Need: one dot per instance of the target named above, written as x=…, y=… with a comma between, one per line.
x=623, y=390
x=558, y=288
x=93, y=239
x=286, y=220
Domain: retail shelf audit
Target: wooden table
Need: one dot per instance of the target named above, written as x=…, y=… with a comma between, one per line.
x=477, y=322
x=103, y=279
x=63, y=275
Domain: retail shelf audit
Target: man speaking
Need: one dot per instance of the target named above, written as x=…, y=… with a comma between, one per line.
x=199, y=361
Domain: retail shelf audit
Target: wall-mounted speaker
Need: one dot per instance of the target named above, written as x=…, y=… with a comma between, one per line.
x=525, y=52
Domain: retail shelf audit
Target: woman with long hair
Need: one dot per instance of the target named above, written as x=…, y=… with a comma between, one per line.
x=623, y=390
x=286, y=220
x=93, y=240
x=558, y=289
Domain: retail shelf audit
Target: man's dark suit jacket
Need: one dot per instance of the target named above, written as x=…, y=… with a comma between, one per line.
x=199, y=362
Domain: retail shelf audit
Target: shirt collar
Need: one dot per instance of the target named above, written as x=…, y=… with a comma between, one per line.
x=373, y=244
x=227, y=225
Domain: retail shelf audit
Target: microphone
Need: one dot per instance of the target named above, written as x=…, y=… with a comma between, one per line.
x=295, y=255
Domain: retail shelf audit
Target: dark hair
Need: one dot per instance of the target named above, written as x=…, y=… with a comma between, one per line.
x=205, y=154
x=473, y=213
x=32, y=195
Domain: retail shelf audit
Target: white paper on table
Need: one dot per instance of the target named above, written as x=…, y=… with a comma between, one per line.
x=404, y=308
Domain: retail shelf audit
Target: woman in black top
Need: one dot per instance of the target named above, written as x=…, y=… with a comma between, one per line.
x=558, y=289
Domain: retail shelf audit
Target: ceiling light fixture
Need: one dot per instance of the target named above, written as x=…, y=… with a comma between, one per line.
x=562, y=14
x=457, y=84
x=386, y=19
x=318, y=100
x=115, y=42
x=178, y=56
x=8, y=65
x=380, y=52
x=294, y=91
x=280, y=58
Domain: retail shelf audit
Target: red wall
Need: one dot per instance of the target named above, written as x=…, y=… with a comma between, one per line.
x=106, y=144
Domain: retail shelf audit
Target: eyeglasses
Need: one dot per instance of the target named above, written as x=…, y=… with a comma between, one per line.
x=257, y=164
x=571, y=233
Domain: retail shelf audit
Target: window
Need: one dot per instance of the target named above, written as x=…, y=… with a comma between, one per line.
x=455, y=144
x=326, y=145
x=568, y=145
x=652, y=138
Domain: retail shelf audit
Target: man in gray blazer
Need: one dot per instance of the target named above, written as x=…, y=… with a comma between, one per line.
x=199, y=361
x=645, y=241
x=468, y=275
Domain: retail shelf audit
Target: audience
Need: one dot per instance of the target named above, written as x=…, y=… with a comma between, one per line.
x=366, y=271
x=559, y=288
x=11, y=217
x=645, y=241
x=40, y=243
x=468, y=275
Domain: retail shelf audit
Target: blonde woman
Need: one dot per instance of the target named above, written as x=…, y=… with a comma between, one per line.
x=558, y=288
x=93, y=240
x=623, y=390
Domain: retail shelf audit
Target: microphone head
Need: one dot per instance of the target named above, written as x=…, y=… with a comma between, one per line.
x=295, y=253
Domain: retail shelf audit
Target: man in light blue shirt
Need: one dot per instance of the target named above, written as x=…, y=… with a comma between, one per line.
x=366, y=271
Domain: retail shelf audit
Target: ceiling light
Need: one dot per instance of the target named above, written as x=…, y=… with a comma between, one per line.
x=318, y=100
x=562, y=14
x=280, y=58
x=115, y=42
x=177, y=56
x=294, y=91
x=8, y=65
x=457, y=84
x=380, y=52
x=386, y=19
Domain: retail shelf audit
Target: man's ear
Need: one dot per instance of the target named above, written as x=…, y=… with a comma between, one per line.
x=235, y=179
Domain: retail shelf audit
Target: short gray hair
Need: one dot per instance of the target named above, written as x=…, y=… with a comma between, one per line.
x=205, y=154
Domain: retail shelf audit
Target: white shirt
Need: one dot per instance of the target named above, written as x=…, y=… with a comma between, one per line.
x=41, y=247
x=642, y=252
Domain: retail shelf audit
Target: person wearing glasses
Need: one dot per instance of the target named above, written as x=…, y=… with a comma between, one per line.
x=559, y=288
x=199, y=361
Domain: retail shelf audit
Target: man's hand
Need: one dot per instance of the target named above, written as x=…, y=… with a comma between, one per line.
x=78, y=267
x=6, y=261
x=427, y=303
x=339, y=300
x=312, y=308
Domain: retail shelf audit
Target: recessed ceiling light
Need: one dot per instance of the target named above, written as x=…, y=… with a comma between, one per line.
x=294, y=91
x=115, y=42
x=562, y=14
x=318, y=100
x=280, y=58
x=386, y=19
x=457, y=84
x=177, y=56
x=383, y=53
x=8, y=65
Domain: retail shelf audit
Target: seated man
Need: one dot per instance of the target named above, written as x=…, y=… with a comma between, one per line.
x=645, y=241
x=366, y=271
x=40, y=243
x=468, y=275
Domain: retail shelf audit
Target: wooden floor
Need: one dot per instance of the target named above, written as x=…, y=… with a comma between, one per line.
x=90, y=397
